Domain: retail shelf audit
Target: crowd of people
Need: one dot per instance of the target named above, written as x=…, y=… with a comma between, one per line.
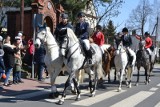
x=13, y=55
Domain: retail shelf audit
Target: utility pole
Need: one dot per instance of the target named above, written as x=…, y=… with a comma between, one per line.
x=22, y=15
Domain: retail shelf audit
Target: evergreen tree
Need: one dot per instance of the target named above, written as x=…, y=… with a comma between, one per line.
x=72, y=7
x=110, y=32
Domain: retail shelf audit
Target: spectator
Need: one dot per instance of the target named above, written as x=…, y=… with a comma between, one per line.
x=39, y=59
x=8, y=58
x=18, y=63
x=2, y=67
x=29, y=53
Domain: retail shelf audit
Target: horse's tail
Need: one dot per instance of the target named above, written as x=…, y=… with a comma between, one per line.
x=80, y=76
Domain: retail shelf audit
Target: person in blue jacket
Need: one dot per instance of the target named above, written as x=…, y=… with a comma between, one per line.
x=39, y=59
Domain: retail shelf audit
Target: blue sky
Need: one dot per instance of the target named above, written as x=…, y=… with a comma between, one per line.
x=126, y=10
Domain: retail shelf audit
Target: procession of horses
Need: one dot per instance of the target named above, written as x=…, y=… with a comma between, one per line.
x=69, y=52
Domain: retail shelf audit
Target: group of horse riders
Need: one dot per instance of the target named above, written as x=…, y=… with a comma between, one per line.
x=81, y=31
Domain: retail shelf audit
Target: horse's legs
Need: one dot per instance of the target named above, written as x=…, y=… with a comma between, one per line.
x=54, y=93
x=126, y=76
x=109, y=79
x=121, y=79
x=67, y=84
x=130, y=76
x=93, y=92
x=115, y=75
x=138, y=68
x=77, y=88
x=150, y=71
x=146, y=75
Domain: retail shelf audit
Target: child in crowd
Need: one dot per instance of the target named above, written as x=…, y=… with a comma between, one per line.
x=18, y=63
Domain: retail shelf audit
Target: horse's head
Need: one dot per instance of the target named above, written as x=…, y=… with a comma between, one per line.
x=66, y=40
x=142, y=44
x=41, y=35
x=120, y=48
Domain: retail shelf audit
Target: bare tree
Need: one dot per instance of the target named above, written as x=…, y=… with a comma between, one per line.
x=106, y=9
x=139, y=16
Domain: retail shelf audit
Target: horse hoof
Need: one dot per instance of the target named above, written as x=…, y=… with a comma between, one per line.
x=119, y=89
x=149, y=80
x=92, y=95
x=60, y=102
x=77, y=99
x=54, y=95
x=146, y=82
x=73, y=92
x=129, y=86
x=136, y=84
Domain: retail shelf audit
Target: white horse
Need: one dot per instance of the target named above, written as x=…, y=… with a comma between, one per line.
x=74, y=59
x=53, y=58
x=121, y=61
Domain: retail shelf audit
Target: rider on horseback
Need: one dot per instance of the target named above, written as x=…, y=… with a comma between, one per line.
x=98, y=38
x=148, y=42
x=82, y=32
x=63, y=24
x=127, y=42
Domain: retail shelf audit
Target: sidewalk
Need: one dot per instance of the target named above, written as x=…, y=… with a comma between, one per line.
x=28, y=85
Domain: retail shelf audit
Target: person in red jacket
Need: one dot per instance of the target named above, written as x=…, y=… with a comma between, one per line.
x=98, y=36
x=148, y=41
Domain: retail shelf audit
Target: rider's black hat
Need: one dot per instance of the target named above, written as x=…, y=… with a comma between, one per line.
x=99, y=27
x=64, y=16
x=125, y=30
x=80, y=14
x=146, y=34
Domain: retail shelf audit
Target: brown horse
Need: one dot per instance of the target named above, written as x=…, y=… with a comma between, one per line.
x=108, y=61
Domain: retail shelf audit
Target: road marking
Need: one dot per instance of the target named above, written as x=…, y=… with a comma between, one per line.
x=98, y=98
x=157, y=105
x=153, y=89
x=133, y=100
x=158, y=85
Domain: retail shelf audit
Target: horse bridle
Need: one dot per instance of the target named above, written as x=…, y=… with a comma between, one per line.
x=45, y=38
x=67, y=48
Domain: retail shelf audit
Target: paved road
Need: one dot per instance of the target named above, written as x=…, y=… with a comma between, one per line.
x=32, y=93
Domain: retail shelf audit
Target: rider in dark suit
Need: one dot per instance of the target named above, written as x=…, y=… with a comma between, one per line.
x=63, y=24
x=127, y=42
x=82, y=32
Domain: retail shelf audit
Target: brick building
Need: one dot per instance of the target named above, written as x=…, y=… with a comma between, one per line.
x=45, y=7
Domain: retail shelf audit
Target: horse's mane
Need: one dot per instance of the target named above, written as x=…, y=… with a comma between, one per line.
x=71, y=34
x=48, y=29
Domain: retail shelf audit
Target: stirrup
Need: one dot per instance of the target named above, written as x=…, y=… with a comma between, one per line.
x=89, y=61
